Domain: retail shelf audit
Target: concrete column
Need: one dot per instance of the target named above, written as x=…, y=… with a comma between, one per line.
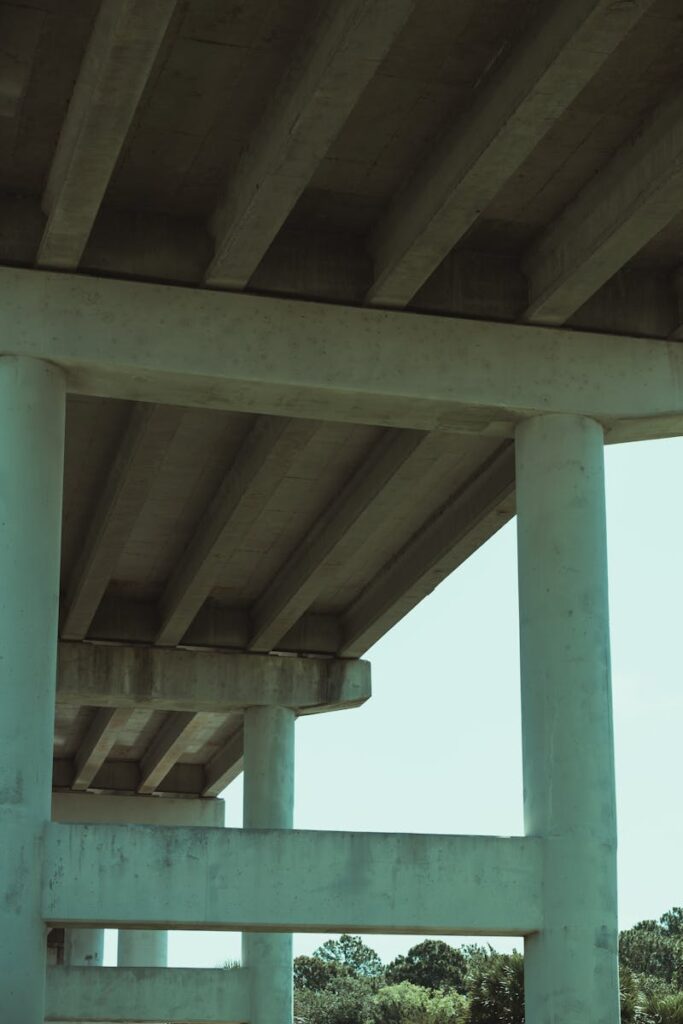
x=269, y=803
x=32, y=402
x=139, y=948
x=84, y=947
x=571, y=970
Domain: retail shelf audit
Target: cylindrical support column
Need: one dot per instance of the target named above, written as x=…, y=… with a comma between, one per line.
x=140, y=948
x=269, y=803
x=571, y=968
x=32, y=403
x=84, y=947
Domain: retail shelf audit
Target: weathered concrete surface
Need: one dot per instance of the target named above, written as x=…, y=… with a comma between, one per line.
x=32, y=403
x=84, y=947
x=256, y=354
x=571, y=966
x=269, y=803
x=176, y=680
x=147, y=994
x=138, y=948
x=242, y=879
x=102, y=808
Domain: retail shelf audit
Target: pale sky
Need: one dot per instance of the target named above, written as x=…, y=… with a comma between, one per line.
x=437, y=748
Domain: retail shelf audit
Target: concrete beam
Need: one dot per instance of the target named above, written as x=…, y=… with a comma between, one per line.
x=308, y=109
x=225, y=765
x=138, y=457
x=146, y=994
x=119, y=677
x=476, y=511
x=255, y=474
x=261, y=880
x=303, y=575
x=131, y=621
x=124, y=45
x=80, y=808
x=123, y=339
x=509, y=116
x=619, y=211
x=123, y=777
x=96, y=744
x=167, y=747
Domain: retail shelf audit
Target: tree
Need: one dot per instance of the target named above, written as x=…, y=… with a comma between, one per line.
x=351, y=952
x=406, y=1003
x=432, y=964
x=672, y=922
x=495, y=986
x=344, y=1000
x=314, y=974
x=655, y=948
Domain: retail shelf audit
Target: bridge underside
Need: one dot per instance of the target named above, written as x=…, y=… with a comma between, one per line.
x=299, y=304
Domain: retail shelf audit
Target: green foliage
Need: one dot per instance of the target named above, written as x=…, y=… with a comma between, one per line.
x=495, y=986
x=350, y=951
x=344, y=982
x=431, y=964
x=406, y=1003
x=655, y=948
x=345, y=1000
x=315, y=974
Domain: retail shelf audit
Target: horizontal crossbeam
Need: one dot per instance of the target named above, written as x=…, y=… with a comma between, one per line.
x=146, y=994
x=260, y=880
x=78, y=808
x=109, y=676
x=251, y=353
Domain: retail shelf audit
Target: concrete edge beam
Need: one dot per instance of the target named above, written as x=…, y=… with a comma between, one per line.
x=250, y=353
x=110, y=809
x=277, y=880
x=148, y=994
x=215, y=681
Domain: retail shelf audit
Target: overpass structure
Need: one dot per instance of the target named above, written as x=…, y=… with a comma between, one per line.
x=299, y=303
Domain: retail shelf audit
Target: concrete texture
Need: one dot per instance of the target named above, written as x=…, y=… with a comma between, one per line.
x=277, y=880
x=212, y=681
x=103, y=808
x=84, y=947
x=32, y=402
x=256, y=354
x=571, y=967
x=143, y=994
x=137, y=948
x=269, y=804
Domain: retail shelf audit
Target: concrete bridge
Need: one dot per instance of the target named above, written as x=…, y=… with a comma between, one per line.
x=299, y=303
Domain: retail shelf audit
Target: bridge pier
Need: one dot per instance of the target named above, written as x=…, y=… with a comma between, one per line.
x=571, y=966
x=32, y=404
x=269, y=803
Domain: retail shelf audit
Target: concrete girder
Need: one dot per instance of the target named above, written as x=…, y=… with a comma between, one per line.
x=259, y=467
x=113, y=676
x=116, y=67
x=166, y=748
x=511, y=113
x=148, y=994
x=255, y=354
x=132, y=621
x=96, y=744
x=307, y=111
x=277, y=880
x=225, y=765
x=300, y=579
x=149, y=432
x=621, y=208
x=78, y=808
x=484, y=504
